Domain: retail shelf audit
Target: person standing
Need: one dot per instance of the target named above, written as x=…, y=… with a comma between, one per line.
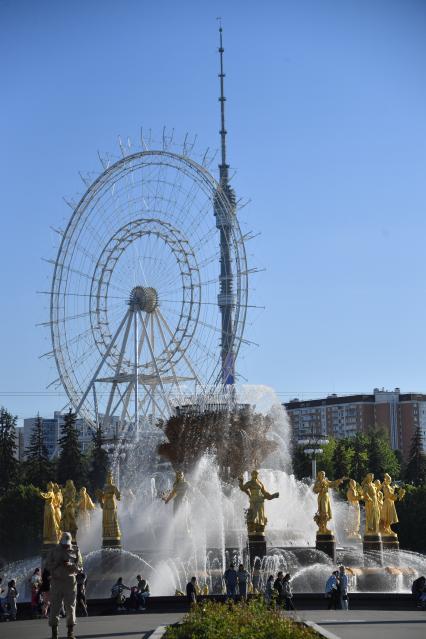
x=81, y=580
x=63, y=562
x=332, y=590
x=45, y=592
x=269, y=590
x=288, y=593
x=11, y=597
x=343, y=588
x=191, y=591
x=35, y=582
x=230, y=579
x=243, y=579
x=279, y=588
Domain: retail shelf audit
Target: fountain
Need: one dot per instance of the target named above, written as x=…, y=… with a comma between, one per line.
x=208, y=525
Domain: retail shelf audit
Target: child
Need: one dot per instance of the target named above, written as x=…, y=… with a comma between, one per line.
x=12, y=595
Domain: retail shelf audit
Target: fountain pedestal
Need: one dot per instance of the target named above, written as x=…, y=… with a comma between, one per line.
x=111, y=543
x=372, y=543
x=390, y=542
x=327, y=544
x=257, y=547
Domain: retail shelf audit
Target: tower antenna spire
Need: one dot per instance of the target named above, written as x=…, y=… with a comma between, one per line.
x=225, y=213
x=223, y=166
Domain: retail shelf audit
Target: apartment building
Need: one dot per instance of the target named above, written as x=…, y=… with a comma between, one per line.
x=398, y=414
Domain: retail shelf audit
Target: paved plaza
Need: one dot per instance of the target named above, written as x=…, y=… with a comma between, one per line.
x=356, y=624
x=107, y=627
x=369, y=624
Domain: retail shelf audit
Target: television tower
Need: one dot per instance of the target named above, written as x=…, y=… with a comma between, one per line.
x=224, y=221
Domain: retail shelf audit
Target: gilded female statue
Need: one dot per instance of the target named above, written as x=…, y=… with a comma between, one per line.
x=58, y=505
x=85, y=506
x=372, y=508
x=388, y=514
x=256, y=518
x=50, y=529
x=324, y=514
x=69, y=492
x=108, y=500
x=378, y=485
x=353, y=495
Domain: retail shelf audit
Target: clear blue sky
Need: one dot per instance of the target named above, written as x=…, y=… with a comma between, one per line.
x=327, y=132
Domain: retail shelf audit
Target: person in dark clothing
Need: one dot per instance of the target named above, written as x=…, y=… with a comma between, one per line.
x=230, y=578
x=418, y=590
x=45, y=593
x=279, y=588
x=81, y=580
x=287, y=593
x=191, y=591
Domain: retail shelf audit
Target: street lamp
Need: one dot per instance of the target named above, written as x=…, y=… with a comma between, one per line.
x=312, y=447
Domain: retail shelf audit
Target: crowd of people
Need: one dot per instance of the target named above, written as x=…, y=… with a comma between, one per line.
x=61, y=587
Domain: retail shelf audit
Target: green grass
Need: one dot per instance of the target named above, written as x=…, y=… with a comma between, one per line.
x=253, y=620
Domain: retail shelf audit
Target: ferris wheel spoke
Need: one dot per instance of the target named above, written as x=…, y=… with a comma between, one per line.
x=168, y=329
x=118, y=366
x=107, y=352
x=151, y=350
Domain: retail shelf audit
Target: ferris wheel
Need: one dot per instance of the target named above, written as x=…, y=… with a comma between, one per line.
x=138, y=280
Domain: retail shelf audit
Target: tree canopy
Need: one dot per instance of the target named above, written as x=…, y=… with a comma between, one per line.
x=71, y=462
x=38, y=469
x=9, y=464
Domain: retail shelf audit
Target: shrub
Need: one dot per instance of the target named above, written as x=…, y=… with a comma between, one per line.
x=253, y=620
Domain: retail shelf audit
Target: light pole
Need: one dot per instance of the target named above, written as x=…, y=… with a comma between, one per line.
x=312, y=447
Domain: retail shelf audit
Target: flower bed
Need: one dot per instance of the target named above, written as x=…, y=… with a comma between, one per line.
x=253, y=620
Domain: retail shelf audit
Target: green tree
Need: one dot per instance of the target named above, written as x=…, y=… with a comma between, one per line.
x=71, y=462
x=38, y=469
x=98, y=462
x=381, y=457
x=415, y=472
x=359, y=462
x=325, y=460
x=9, y=464
x=21, y=516
x=412, y=519
x=342, y=458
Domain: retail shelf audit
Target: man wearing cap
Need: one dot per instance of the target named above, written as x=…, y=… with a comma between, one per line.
x=63, y=562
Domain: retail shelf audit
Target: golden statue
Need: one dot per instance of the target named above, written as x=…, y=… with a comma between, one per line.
x=372, y=507
x=51, y=531
x=69, y=492
x=69, y=519
x=388, y=514
x=378, y=485
x=353, y=495
x=178, y=493
x=85, y=506
x=59, y=500
x=256, y=492
x=108, y=500
x=323, y=514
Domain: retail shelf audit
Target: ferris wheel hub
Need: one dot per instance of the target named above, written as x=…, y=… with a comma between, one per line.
x=143, y=298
